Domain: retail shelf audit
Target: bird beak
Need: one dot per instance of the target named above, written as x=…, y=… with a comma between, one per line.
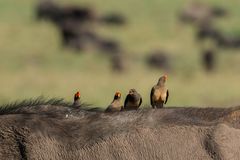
x=165, y=77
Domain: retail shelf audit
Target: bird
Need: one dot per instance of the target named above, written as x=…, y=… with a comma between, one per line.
x=133, y=100
x=77, y=97
x=115, y=106
x=159, y=93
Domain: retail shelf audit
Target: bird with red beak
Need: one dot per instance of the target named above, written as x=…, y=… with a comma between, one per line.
x=116, y=105
x=76, y=101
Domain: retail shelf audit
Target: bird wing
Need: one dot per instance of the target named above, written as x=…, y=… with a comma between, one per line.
x=122, y=108
x=151, y=95
x=108, y=108
x=126, y=101
x=140, y=101
x=167, y=97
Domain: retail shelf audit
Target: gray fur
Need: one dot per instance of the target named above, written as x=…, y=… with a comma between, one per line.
x=169, y=133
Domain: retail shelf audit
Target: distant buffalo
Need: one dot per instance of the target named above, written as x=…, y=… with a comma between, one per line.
x=208, y=59
x=55, y=130
x=113, y=18
x=206, y=31
x=228, y=41
x=159, y=59
x=199, y=13
x=48, y=10
x=58, y=14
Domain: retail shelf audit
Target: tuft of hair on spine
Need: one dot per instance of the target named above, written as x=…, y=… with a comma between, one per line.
x=30, y=103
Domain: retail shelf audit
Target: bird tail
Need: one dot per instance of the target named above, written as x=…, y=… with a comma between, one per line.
x=160, y=105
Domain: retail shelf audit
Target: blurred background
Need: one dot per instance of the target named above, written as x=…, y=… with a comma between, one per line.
x=55, y=48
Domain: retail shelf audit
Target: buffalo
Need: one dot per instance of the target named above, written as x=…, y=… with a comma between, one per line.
x=53, y=129
x=159, y=59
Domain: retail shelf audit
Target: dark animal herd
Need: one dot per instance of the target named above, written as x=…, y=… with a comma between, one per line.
x=203, y=17
x=77, y=28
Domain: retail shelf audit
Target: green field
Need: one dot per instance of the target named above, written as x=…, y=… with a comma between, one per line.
x=33, y=62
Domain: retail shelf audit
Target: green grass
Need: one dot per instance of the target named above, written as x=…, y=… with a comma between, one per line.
x=33, y=63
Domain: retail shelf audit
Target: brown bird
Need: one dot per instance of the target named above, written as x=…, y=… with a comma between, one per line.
x=133, y=100
x=115, y=106
x=76, y=101
x=159, y=93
